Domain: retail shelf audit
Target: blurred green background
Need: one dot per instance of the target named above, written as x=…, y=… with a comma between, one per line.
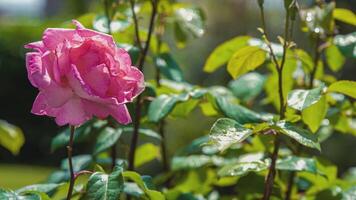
x=23, y=21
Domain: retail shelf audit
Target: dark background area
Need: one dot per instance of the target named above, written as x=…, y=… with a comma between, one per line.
x=23, y=21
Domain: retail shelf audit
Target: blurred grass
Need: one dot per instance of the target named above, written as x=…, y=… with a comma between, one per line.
x=17, y=176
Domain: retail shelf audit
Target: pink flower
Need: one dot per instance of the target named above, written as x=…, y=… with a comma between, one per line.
x=81, y=73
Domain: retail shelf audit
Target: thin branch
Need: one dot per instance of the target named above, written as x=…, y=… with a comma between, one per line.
x=141, y=62
x=137, y=30
x=69, y=154
x=272, y=169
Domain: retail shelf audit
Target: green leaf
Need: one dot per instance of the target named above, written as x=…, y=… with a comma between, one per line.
x=224, y=52
x=106, y=139
x=179, y=35
x=334, y=58
x=302, y=99
x=163, y=105
x=293, y=163
x=11, y=137
x=103, y=186
x=146, y=153
x=240, y=169
x=302, y=136
x=144, y=132
x=305, y=58
x=196, y=161
x=272, y=82
x=345, y=87
x=245, y=60
x=237, y=112
x=345, y=15
x=248, y=86
x=10, y=195
x=346, y=44
x=277, y=48
x=151, y=194
x=226, y=132
x=101, y=24
x=80, y=162
x=183, y=109
x=191, y=20
x=48, y=188
x=314, y=115
x=349, y=194
x=81, y=133
x=169, y=67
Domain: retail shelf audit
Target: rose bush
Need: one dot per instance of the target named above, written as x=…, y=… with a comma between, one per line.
x=81, y=73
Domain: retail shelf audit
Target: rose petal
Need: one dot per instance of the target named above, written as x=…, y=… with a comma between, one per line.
x=72, y=113
x=36, y=73
x=98, y=79
x=120, y=113
x=40, y=106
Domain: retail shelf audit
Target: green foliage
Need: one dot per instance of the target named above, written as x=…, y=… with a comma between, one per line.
x=344, y=87
x=234, y=158
x=105, y=186
x=11, y=137
x=245, y=60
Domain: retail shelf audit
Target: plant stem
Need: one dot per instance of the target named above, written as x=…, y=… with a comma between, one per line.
x=316, y=61
x=107, y=13
x=69, y=154
x=137, y=30
x=310, y=86
x=161, y=123
x=141, y=62
x=163, y=146
x=113, y=148
x=279, y=67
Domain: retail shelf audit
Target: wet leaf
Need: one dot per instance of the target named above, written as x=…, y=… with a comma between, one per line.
x=302, y=99
x=314, y=115
x=106, y=139
x=226, y=132
x=302, y=136
x=248, y=86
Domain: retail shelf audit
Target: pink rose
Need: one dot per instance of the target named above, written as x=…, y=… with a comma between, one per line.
x=81, y=73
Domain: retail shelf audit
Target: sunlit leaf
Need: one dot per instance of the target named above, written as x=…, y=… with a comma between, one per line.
x=345, y=15
x=344, y=87
x=302, y=99
x=224, y=52
x=11, y=137
x=334, y=58
x=146, y=153
x=302, y=136
x=314, y=114
x=226, y=132
x=245, y=59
